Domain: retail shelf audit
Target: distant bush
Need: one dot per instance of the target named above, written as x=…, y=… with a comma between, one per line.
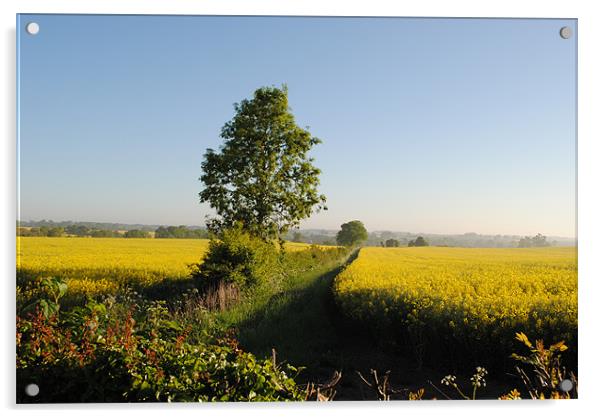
x=105, y=233
x=78, y=230
x=137, y=233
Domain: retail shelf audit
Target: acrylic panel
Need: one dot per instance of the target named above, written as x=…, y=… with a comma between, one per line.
x=284, y=208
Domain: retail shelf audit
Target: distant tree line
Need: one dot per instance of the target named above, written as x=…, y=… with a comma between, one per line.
x=109, y=226
x=84, y=231
x=59, y=231
x=43, y=231
x=181, y=231
x=468, y=240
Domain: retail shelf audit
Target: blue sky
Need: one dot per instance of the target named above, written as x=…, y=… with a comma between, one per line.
x=428, y=125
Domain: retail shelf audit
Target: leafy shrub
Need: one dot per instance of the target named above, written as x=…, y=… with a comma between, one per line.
x=104, y=352
x=236, y=257
x=42, y=293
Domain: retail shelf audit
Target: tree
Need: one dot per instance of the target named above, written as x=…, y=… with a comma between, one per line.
x=540, y=241
x=536, y=241
x=56, y=232
x=79, y=230
x=391, y=242
x=418, y=242
x=352, y=234
x=262, y=175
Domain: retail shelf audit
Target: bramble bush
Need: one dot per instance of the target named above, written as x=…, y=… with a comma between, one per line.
x=111, y=352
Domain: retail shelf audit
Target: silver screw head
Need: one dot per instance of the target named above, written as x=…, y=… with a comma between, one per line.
x=565, y=32
x=32, y=390
x=566, y=385
x=32, y=28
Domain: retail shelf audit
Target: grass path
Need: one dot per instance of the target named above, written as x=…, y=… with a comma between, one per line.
x=302, y=323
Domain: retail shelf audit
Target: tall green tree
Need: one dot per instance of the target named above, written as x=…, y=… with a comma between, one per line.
x=262, y=175
x=352, y=233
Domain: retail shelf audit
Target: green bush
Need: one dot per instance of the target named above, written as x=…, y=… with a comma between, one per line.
x=104, y=352
x=236, y=257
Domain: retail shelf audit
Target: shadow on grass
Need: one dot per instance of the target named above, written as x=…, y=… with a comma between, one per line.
x=298, y=323
x=305, y=327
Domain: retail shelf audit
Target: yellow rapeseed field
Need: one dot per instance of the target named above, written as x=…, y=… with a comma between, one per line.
x=470, y=296
x=103, y=265
x=94, y=265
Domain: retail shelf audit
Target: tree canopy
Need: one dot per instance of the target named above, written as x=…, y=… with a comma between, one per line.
x=536, y=241
x=181, y=231
x=352, y=233
x=391, y=242
x=262, y=175
x=418, y=242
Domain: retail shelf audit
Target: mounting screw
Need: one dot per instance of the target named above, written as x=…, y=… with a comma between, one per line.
x=565, y=32
x=566, y=385
x=32, y=390
x=32, y=28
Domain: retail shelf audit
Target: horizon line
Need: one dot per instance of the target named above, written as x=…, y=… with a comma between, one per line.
x=309, y=229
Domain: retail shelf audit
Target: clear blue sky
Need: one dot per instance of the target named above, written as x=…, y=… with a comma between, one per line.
x=428, y=125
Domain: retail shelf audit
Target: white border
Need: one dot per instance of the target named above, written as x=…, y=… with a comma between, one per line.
x=589, y=211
